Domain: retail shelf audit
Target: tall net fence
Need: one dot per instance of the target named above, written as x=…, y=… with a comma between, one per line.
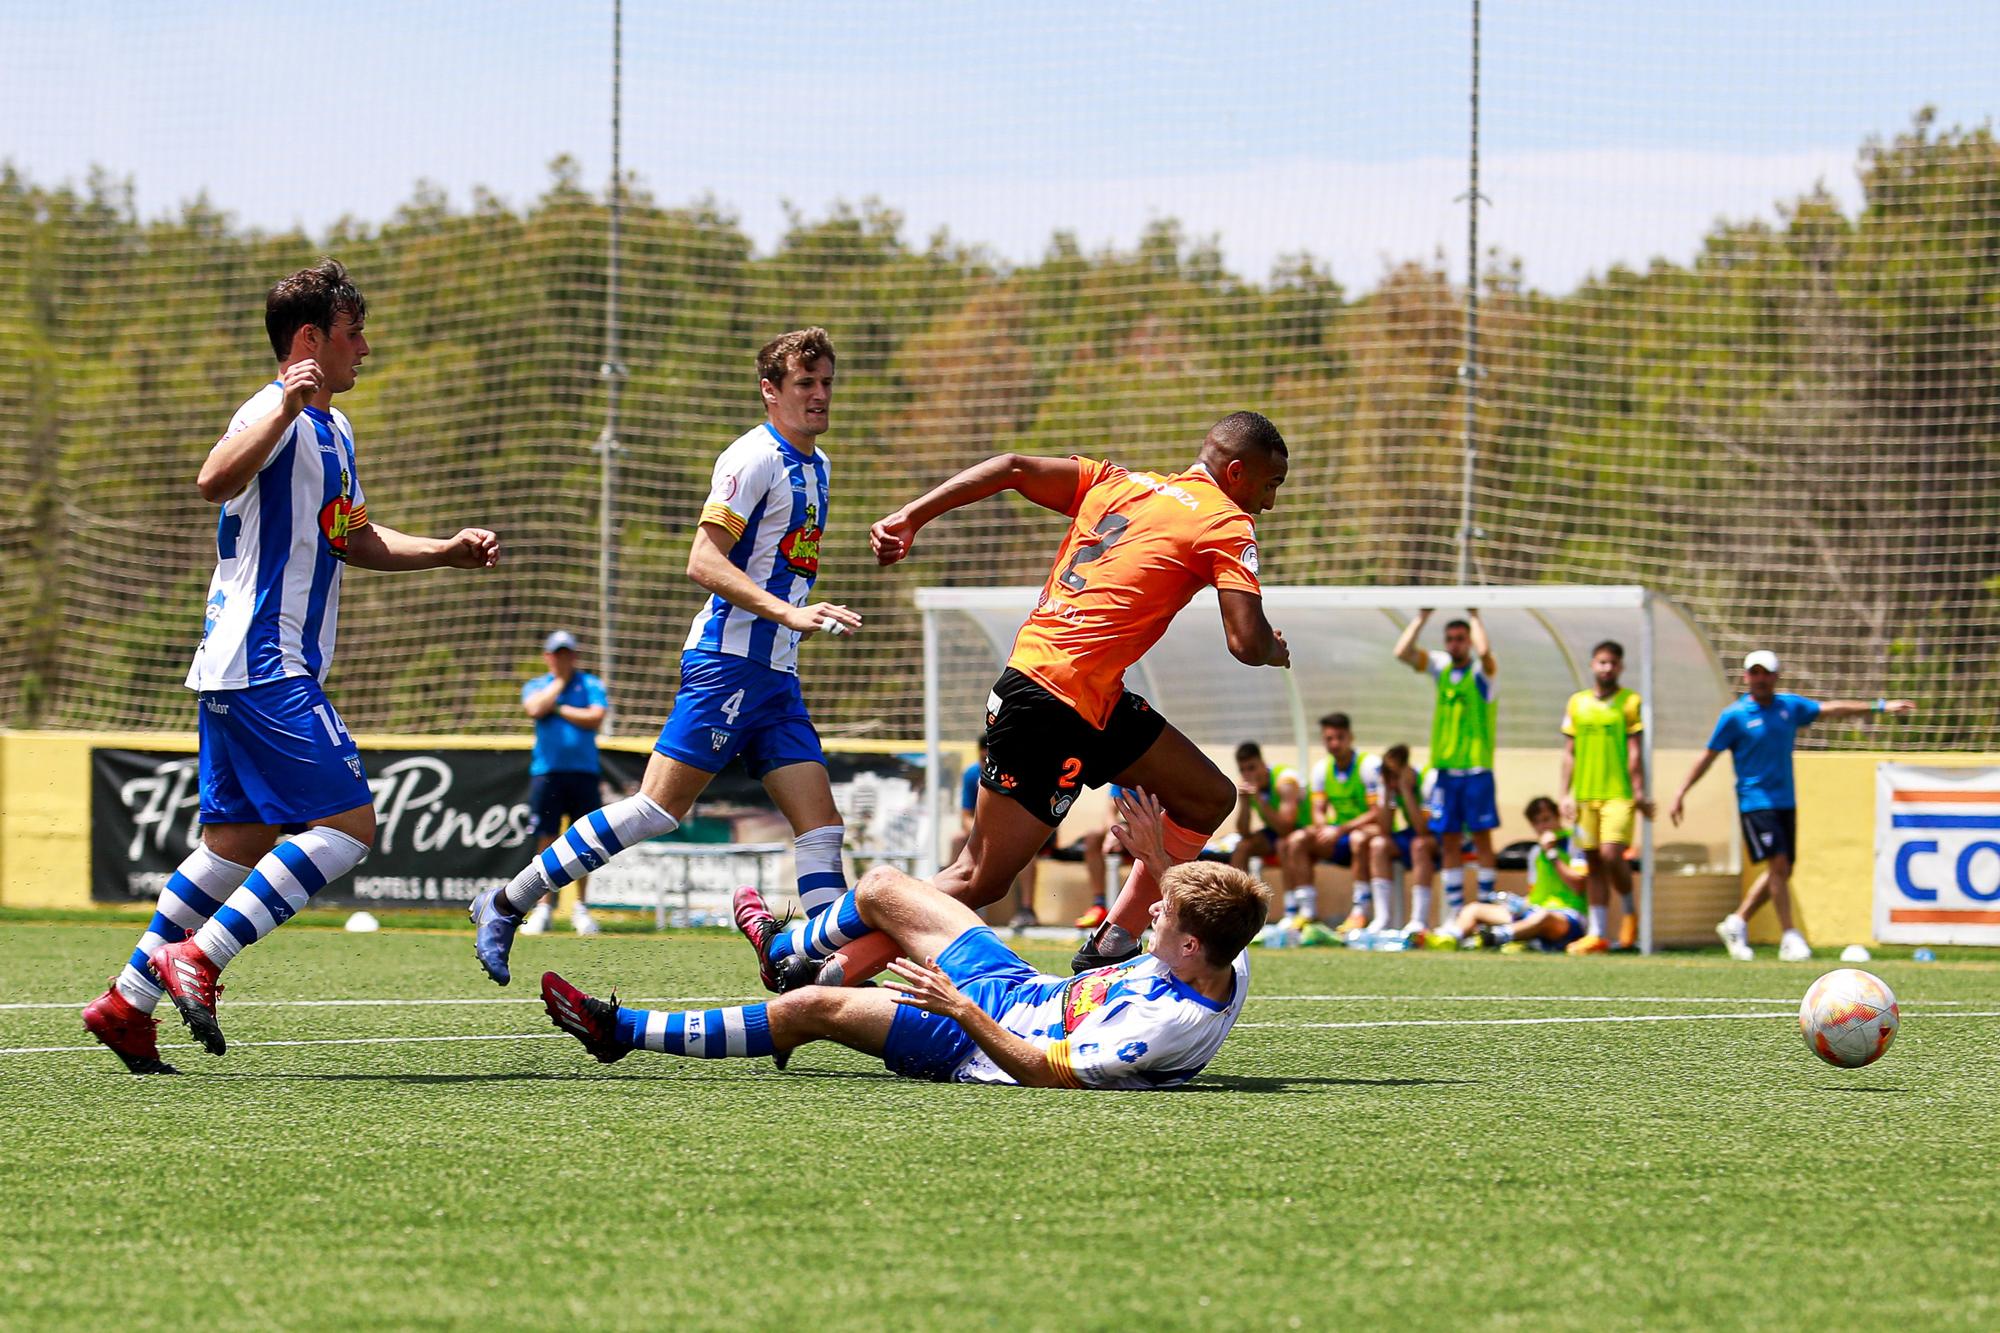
x=1790, y=423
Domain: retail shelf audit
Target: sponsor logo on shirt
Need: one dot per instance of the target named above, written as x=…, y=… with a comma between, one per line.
x=799, y=548
x=1091, y=991
x=1131, y=1051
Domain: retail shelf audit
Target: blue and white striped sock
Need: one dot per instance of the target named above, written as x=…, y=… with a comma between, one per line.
x=1489, y=881
x=589, y=843
x=193, y=894
x=816, y=857
x=708, y=1034
x=283, y=882
x=825, y=935
x=1454, y=888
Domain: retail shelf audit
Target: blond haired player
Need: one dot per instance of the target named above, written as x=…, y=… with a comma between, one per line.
x=1603, y=786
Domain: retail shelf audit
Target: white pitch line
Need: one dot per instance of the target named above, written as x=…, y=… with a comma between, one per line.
x=1254, y=998
x=1296, y=1027
x=1589, y=1018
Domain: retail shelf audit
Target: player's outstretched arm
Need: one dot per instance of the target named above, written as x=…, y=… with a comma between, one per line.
x=1406, y=643
x=710, y=567
x=236, y=458
x=372, y=546
x=925, y=986
x=1049, y=482
x=1835, y=709
x=1252, y=641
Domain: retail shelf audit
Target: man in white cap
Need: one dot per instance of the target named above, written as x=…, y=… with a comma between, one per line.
x=1759, y=730
x=565, y=778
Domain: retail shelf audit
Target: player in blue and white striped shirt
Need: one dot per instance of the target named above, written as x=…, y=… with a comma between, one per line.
x=274, y=753
x=756, y=552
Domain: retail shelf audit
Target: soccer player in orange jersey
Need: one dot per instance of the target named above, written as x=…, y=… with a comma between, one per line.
x=1060, y=719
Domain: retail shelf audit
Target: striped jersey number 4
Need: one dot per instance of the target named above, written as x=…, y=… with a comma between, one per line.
x=731, y=707
x=336, y=730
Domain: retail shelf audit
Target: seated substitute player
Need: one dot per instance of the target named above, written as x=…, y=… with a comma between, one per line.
x=756, y=552
x=1551, y=916
x=275, y=756
x=1405, y=819
x=1346, y=788
x=1060, y=719
x=973, y=1012
x=1274, y=797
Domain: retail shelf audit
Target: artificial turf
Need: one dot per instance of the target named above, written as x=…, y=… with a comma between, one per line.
x=1670, y=1166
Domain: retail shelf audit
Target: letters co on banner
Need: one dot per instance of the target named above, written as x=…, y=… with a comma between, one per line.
x=448, y=824
x=1937, y=855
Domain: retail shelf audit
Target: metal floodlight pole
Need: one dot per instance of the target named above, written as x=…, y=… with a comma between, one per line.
x=612, y=372
x=1468, y=371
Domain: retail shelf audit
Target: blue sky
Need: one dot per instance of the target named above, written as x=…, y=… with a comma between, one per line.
x=1612, y=131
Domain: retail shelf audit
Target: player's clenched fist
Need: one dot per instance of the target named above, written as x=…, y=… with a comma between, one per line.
x=891, y=537
x=301, y=380
x=473, y=548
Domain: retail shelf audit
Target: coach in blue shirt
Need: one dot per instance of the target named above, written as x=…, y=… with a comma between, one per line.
x=565, y=777
x=1760, y=730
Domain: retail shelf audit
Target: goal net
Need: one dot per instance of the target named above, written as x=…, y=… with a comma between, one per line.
x=1342, y=643
x=1738, y=314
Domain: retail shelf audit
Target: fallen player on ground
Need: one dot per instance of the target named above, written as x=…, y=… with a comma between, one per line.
x=972, y=1011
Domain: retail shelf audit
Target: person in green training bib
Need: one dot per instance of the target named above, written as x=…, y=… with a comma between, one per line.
x=1551, y=916
x=1277, y=800
x=1463, y=729
x=1345, y=788
x=1603, y=786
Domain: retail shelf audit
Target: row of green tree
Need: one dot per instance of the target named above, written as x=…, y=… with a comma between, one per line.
x=1797, y=434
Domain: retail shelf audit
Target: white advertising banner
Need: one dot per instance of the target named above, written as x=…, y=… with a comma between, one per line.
x=1937, y=855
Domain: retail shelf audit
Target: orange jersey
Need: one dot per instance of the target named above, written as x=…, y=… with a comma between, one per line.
x=1139, y=546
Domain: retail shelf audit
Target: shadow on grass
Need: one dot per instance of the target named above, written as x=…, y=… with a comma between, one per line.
x=1866, y=1087
x=1295, y=1082
x=588, y=1073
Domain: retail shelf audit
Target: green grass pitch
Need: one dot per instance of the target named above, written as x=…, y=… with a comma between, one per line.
x=1386, y=1141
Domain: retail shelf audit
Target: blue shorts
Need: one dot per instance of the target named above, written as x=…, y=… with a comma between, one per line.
x=1343, y=851
x=728, y=706
x=1520, y=909
x=554, y=797
x=276, y=753
x=1462, y=801
x=930, y=1046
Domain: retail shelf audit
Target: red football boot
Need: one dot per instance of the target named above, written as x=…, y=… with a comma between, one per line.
x=592, y=1021
x=754, y=919
x=192, y=983
x=132, y=1036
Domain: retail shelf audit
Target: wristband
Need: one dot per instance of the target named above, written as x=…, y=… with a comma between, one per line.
x=1881, y=705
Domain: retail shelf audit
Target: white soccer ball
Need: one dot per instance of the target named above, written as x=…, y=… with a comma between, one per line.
x=1848, y=1018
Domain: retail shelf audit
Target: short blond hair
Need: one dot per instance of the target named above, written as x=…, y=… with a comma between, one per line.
x=1217, y=904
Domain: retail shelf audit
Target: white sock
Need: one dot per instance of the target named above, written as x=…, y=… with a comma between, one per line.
x=1308, y=902
x=1385, y=904
x=1364, y=895
x=278, y=886
x=1420, y=905
x=1600, y=920
x=816, y=859
x=193, y=894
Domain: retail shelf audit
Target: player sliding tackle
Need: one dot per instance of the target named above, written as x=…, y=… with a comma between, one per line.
x=756, y=552
x=972, y=1011
x=1060, y=718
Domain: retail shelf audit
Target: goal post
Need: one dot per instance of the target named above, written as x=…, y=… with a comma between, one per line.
x=1341, y=640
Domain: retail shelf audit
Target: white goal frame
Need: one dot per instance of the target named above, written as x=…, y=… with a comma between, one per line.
x=1632, y=604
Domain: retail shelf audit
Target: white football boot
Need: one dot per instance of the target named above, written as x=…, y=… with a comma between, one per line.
x=537, y=921
x=1792, y=948
x=1735, y=933
x=581, y=921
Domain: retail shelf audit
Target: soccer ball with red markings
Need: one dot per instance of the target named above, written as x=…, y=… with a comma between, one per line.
x=1848, y=1018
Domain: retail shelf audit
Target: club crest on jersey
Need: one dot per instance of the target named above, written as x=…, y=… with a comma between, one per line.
x=799, y=548
x=216, y=601
x=1131, y=1051
x=354, y=764
x=717, y=738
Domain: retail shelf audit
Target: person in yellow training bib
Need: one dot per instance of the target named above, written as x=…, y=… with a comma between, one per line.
x=1603, y=786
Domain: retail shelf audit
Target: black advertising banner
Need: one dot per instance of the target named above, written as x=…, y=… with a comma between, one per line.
x=449, y=823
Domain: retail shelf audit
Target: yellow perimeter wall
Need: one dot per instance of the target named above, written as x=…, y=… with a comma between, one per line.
x=45, y=814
